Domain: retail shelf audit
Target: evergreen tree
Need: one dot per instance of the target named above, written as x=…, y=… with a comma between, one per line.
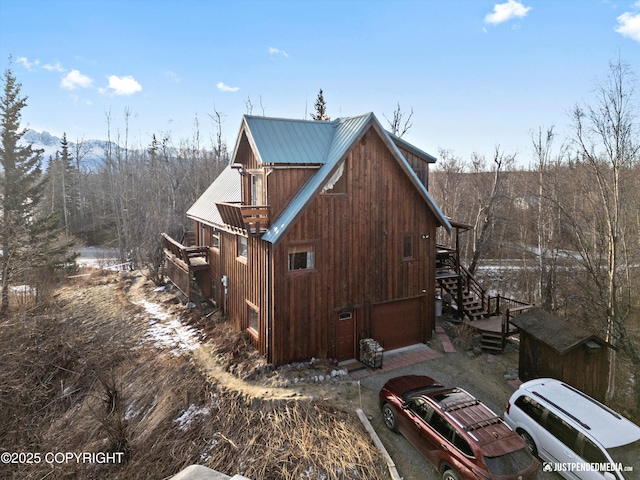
x=28, y=238
x=321, y=108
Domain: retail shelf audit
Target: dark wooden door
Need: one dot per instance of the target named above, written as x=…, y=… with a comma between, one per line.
x=346, y=338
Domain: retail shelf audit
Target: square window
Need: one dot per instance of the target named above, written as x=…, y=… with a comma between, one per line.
x=242, y=247
x=301, y=258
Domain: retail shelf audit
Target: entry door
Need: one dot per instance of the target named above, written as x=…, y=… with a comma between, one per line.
x=346, y=337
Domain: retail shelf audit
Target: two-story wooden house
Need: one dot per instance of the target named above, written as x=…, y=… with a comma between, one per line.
x=318, y=234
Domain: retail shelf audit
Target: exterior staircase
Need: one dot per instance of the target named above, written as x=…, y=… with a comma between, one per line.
x=472, y=304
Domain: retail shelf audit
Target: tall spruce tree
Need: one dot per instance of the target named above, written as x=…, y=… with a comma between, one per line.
x=29, y=238
x=321, y=108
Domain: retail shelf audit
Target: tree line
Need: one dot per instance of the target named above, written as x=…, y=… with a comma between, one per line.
x=571, y=218
x=570, y=222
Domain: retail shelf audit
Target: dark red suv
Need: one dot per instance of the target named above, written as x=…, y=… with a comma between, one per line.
x=460, y=436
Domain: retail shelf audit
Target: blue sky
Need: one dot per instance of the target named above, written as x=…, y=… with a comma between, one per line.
x=476, y=73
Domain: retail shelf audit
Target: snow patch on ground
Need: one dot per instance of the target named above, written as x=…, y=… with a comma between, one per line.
x=167, y=332
x=189, y=415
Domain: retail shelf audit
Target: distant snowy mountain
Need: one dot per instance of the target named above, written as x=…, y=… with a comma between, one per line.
x=92, y=150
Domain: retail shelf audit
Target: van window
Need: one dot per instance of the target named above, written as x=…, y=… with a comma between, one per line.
x=592, y=453
x=561, y=430
x=530, y=407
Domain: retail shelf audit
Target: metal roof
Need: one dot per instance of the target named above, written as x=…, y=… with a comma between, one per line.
x=225, y=188
x=285, y=141
x=278, y=141
x=345, y=131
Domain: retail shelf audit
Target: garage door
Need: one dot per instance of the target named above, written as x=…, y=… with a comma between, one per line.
x=397, y=324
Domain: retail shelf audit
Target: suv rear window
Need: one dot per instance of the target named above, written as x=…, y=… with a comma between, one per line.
x=511, y=463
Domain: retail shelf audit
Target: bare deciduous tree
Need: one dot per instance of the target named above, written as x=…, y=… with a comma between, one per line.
x=607, y=139
x=400, y=124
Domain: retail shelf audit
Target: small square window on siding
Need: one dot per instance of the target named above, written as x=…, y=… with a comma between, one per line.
x=242, y=247
x=301, y=258
x=407, y=247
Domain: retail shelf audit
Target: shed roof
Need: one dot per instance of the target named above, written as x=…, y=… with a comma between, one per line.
x=555, y=332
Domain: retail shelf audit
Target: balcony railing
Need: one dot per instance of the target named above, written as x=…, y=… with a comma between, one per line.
x=254, y=219
x=194, y=258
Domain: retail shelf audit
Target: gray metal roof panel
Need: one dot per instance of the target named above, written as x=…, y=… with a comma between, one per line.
x=284, y=141
x=225, y=188
x=412, y=148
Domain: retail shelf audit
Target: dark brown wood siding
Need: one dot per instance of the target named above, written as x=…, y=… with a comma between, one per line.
x=358, y=242
x=246, y=284
x=419, y=165
x=282, y=185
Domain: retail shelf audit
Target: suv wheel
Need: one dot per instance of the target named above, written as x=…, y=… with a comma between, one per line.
x=531, y=445
x=450, y=474
x=389, y=417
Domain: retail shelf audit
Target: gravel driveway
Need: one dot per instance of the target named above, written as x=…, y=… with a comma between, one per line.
x=481, y=375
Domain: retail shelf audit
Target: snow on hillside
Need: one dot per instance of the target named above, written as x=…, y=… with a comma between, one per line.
x=92, y=150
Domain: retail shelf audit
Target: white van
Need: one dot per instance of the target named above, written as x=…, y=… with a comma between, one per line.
x=574, y=434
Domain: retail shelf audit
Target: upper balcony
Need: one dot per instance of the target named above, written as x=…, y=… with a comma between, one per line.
x=252, y=219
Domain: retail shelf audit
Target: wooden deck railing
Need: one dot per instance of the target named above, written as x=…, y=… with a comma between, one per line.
x=252, y=218
x=195, y=256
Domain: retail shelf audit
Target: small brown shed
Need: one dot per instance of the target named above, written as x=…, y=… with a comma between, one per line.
x=551, y=347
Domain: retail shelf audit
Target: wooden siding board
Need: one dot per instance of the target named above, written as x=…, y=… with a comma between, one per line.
x=359, y=255
x=283, y=184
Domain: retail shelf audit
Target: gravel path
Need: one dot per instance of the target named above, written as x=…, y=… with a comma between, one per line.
x=481, y=375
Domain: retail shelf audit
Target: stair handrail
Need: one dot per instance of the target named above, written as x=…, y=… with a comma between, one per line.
x=513, y=312
x=472, y=286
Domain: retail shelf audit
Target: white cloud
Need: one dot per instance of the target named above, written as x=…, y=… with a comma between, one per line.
x=74, y=79
x=629, y=25
x=226, y=88
x=54, y=68
x=277, y=51
x=26, y=63
x=124, y=85
x=503, y=12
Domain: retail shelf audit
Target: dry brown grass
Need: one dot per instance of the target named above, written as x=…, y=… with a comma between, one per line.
x=76, y=379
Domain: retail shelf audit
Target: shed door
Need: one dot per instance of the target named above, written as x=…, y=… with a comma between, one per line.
x=397, y=324
x=345, y=333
